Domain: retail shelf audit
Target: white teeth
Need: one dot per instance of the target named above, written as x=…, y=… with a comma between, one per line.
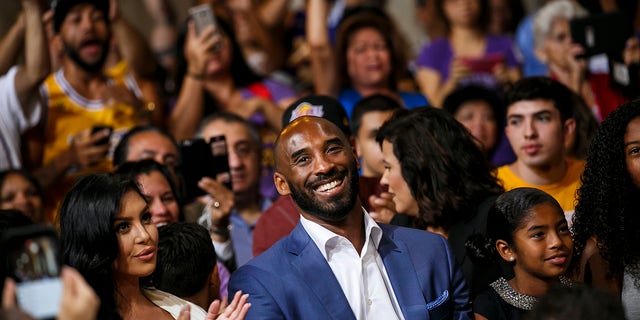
x=160, y=224
x=328, y=186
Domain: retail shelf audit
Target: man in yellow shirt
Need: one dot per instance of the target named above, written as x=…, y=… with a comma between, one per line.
x=80, y=96
x=539, y=126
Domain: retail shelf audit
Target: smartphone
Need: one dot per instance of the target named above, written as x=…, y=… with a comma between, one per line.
x=202, y=17
x=97, y=128
x=601, y=33
x=483, y=64
x=221, y=160
x=33, y=262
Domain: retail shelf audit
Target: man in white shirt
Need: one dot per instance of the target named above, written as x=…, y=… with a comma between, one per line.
x=338, y=263
x=19, y=105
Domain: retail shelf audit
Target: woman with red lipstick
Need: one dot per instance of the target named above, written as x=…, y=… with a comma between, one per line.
x=165, y=206
x=107, y=234
x=526, y=228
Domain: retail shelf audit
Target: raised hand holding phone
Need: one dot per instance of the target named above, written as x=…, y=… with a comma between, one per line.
x=33, y=263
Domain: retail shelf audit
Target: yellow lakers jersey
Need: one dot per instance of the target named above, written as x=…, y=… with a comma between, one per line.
x=68, y=113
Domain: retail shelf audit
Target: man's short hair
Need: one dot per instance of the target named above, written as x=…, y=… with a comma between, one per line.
x=376, y=102
x=62, y=7
x=122, y=149
x=229, y=117
x=186, y=259
x=472, y=93
x=542, y=88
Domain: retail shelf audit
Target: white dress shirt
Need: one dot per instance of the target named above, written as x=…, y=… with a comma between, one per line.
x=362, y=277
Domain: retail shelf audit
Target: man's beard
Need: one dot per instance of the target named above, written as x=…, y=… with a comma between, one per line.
x=94, y=67
x=338, y=207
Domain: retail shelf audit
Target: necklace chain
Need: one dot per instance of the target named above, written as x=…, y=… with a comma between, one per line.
x=517, y=299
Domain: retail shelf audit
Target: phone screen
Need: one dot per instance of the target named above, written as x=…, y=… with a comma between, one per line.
x=97, y=128
x=221, y=160
x=197, y=162
x=33, y=262
x=202, y=17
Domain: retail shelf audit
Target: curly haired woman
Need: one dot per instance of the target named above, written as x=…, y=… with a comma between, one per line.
x=606, y=220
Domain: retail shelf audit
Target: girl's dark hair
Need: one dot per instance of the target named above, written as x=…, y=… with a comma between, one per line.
x=133, y=169
x=242, y=74
x=608, y=199
x=446, y=172
x=87, y=236
x=471, y=93
x=374, y=18
x=483, y=15
x=4, y=174
x=505, y=217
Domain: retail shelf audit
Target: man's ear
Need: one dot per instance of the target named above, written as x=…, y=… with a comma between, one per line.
x=281, y=184
x=355, y=151
x=505, y=251
x=569, y=129
x=214, y=284
x=355, y=145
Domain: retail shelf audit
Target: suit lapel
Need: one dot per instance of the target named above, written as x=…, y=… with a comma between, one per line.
x=315, y=273
x=404, y=281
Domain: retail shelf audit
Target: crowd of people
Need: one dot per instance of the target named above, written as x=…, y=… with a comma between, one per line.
x=301, y=162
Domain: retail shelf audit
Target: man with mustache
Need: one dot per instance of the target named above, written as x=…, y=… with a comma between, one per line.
x=80, y=96
x=338, y=263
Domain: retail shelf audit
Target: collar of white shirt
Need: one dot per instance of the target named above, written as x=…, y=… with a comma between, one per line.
x=321, y=235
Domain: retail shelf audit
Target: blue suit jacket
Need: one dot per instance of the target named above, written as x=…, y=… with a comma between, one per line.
x=292, y=280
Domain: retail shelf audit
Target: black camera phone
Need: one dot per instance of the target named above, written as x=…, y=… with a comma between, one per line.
x=97, y=128
x=204, y=159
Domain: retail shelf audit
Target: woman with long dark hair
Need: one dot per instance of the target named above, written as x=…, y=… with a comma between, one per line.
x=435, y=171
x=107, y=234
x=606, y=220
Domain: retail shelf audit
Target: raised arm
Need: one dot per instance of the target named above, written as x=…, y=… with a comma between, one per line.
x=272, y=12
x=131, y=44
x=252, y=33
x=189, y=108
x=11, y=44
x=323, y=65
x=37, y=65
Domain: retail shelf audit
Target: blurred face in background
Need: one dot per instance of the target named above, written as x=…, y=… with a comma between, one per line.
x=461, y=12
x=244, y=153
x=368, y=59
x=17, y=192
x=367, y=148
x=555, y=50
x=478, y=117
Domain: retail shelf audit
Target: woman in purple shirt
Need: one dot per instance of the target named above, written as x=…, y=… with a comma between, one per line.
x=467, y=55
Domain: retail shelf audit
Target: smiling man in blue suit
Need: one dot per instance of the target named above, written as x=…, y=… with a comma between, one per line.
x=338, y=263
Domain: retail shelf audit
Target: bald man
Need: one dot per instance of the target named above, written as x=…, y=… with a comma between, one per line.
x=338, y=263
